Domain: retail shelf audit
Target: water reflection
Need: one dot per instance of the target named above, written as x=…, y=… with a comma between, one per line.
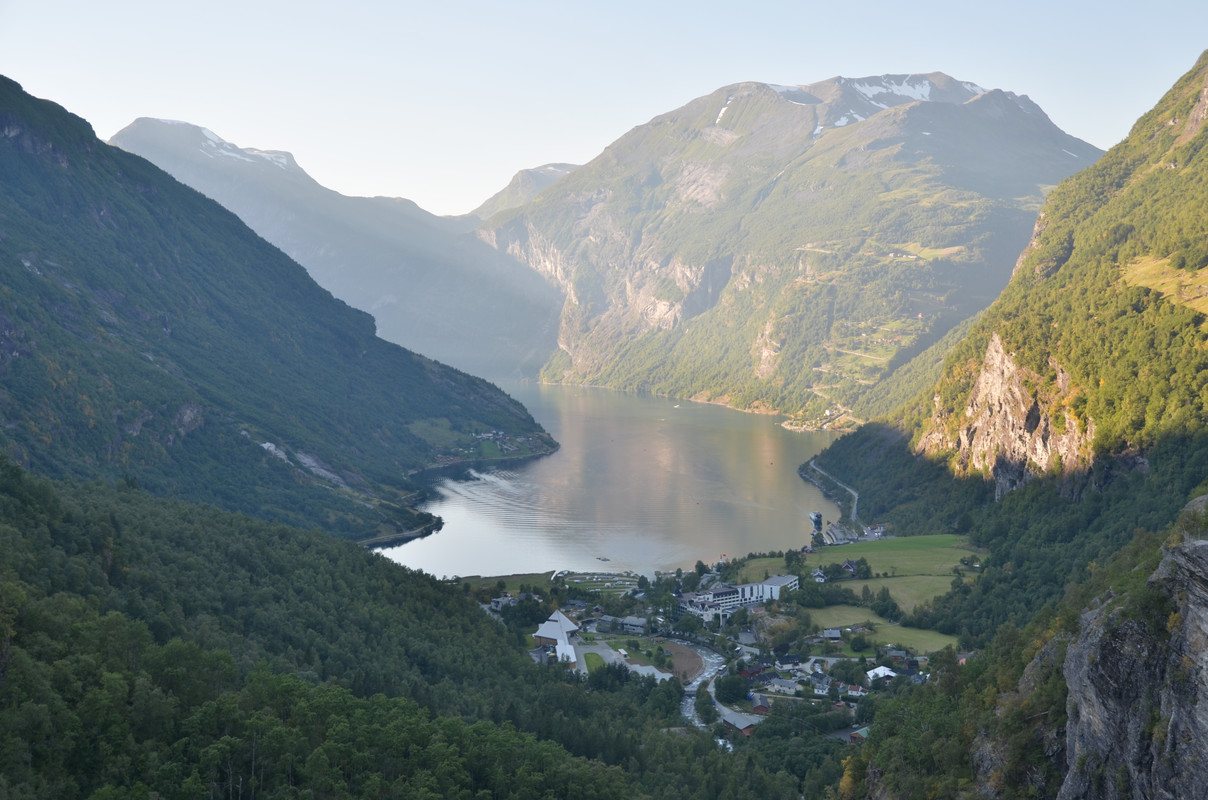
x=645, y=483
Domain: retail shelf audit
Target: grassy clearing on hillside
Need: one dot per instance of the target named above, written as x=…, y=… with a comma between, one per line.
x=920, y=567
x=908, y=590
x=935, y=554
x=844, y=616
x=1187, y=288
x=914, y=639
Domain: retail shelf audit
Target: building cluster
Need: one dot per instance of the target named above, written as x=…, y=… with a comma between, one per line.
x=720, y=600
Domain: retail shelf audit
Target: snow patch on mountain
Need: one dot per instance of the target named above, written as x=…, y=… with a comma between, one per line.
x=216, y=146
x=914, y=91
x=722, y=113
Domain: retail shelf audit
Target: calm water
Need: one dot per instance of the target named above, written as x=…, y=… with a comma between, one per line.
x=646, y=483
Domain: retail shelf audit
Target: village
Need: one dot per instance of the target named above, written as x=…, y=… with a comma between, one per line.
x=742, y=650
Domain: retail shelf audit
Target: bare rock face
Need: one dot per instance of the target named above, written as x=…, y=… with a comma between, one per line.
x=1013, y=429
x=1138, y=726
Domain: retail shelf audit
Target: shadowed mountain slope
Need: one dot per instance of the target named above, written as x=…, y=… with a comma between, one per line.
x=146, y=332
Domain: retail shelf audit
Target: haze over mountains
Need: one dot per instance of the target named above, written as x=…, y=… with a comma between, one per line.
x=430, y=287
x=772, y=247
x=147, y=333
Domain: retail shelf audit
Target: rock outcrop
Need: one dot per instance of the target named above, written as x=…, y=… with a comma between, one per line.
x=1138, y=723
x=1012, y=428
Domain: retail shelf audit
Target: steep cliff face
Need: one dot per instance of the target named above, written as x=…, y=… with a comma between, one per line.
x=1138, y=720
x=1015, y=424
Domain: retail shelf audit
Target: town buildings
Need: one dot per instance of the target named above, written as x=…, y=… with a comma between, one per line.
x=721, y=599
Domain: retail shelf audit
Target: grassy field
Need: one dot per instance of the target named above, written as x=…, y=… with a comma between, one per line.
x=919, y=567
x=843, y=616
x=603, y=582
x=538, y=580
x=593, y=661
x=936, y=554
x=1187, y=288
x=907, y=590
x=916, y=639
x=920, y=641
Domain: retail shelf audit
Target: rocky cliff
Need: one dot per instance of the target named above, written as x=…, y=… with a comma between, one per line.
x=1014, y=426
x=1136, y=680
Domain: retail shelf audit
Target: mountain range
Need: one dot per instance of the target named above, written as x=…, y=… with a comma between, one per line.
x=777, y=248
x=149, y=338
x=787, y=247
x=148, y=334
x=430, y=286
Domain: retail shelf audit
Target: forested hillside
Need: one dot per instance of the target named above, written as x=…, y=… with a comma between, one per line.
x=148, y=334
x=150, y=647
x=1065, y=435
x=1090, y=370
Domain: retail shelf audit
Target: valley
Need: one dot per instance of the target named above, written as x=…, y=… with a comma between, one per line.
x=986, y=333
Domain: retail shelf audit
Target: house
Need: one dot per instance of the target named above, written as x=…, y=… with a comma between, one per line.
x=782, y=685
x=850, y=566
x=499, y=603
x=880, y=672
x=832, y=634
x=760, y=704
x=859, y=736
x=819, y=575
x=738, y=721
x=750, y=671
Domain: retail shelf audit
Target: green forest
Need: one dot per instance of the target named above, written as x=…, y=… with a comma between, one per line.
x=152, y=647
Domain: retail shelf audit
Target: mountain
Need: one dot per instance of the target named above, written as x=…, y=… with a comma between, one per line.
x=524, y=186
x=429, y=286
x=147, y=334
x=1068, y=436
x=1096, y=348
x=787, y=247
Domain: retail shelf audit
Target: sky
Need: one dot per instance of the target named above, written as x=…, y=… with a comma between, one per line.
x=443, y=102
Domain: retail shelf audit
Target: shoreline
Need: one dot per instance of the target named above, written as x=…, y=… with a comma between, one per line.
x=428, y=475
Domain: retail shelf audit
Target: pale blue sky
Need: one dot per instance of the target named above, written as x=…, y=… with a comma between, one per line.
x=443, y=102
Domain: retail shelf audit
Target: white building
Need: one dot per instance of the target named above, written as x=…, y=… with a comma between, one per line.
x=556, y=631
x=721, y=599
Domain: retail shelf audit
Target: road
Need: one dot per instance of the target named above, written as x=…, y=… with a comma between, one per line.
x=855, y=497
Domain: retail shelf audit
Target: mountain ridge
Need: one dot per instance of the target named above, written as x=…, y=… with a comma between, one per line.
x=431, y=287
x=151, y=336
x=702, y=254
